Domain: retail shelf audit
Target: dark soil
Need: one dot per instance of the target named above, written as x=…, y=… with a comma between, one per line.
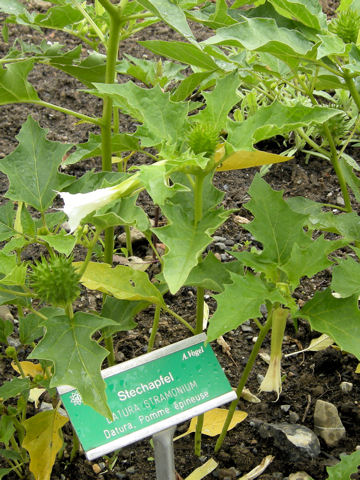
x=309, y=376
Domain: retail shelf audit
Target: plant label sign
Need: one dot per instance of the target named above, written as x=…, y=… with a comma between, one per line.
x=150, y=393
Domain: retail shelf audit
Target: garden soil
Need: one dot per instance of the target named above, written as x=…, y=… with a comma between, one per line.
x=309, y=376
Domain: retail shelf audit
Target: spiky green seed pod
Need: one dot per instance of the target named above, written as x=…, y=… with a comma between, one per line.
x=55, y=280
x=346, y=25
x=203, y=138
x=338, y=126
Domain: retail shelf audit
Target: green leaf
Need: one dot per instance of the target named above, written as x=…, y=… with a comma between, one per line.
x=7, y=428
x=275, y=225
x=210, y=274
x=263, y=35
x=346, y=277
x=31, y=327
x=308, y=12
x=62, y=242
x=182, y=52
x=121, y=282
x=14, y=88
x=213, y=16
x=88, y=71
x=345, y=468
x=6, y=329
x=32, y=167
x=171, y=14
x=76, y=357
x=309, y=259
x=5, y=471
x=15, y=387
x=122, y=212
x=330, y=45
x=59, y=17
x=188, y=85
x=240, y=301
x=7, y=219
x=219, y=105
x=272, y=120
x=163, y=120
x=12, y=7
x=122, y=312
x=337, y=317
x=184, y=249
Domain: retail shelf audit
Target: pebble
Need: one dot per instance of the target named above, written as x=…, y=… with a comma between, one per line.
x=216, y=238
x=259, y=378
x=246, y=328
x=297, y=441
x=96, y=468
x=299, y=476
x=346, y=387
x=131, y=470
x=14, y=342
x=5, y=313
x=327, y=423
x=285, y=408
x=121, y=476
x=220, y=246
x=135, y=235
x=293, y=417
x=226, y=473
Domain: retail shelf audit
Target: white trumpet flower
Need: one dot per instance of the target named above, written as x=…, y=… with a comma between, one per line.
x=272, y=380
x=77, y=206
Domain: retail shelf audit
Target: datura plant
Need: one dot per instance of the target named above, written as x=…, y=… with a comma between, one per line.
x=274, y=70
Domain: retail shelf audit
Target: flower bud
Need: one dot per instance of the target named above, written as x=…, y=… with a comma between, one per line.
x=272, y=380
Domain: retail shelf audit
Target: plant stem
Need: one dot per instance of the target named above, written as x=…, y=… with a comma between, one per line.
x=89, y=253
x=128, y=240
x=66, y=111
x=75, y=446
x=334, y=157
x=178, y=317
x=154, y=328
x=352, y=88
x=198, y=198
x=243, y=379
x=199, y=310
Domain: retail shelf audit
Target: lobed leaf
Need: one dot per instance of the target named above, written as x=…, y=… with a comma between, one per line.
x=346, y=278
x=76, y=357
x=345, y=468
x=32, y=168
x=337, y=317
x=14, y=87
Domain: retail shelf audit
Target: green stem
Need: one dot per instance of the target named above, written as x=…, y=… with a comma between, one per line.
x=128, y=240
x=198, y=198
x=178, y=317
x=90, y=21
x=198, y=430
x=13, y=292
x=75, y=446
x=89, y=253
x=109, y=345
x=155, y=327
x=352, y=88
x=199, y=310
x=243, y=379
x=334, y=157
x=66, y=111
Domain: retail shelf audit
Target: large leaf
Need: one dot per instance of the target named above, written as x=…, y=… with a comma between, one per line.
x=219, y=105
x=12, y=7
x=275, y=225
x=59, y=17
x=121, y=282
x=184, y=248
x=210, y=274
x=171, y=14
x=163, y=120
x=308, y=12
x=14, y=88
x=245, y=159
x=183, y=52
x=30, y=326
x=88, y=71
x=337, y=317
x=43, y=441
x=122, y=312
x=76, y=357
x=7, y=219
x=32, y=168
x=272, y=120
x=240, y=302
x=263, y=35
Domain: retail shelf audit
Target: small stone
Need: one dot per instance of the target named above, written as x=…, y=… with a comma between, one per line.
x=216, y=238
x=285, y=408
x=293, y=417
x=346, y=387
x=121, y=476
x=259, y=378
x=131, y=470
x=340, y=200
x=246, y=328
x=96, y=468
x=296, y=440
x=227, y=473
x=220, y=246
x=135, y=235
x=327, y=423
x=13, y=342
x=299, y=476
